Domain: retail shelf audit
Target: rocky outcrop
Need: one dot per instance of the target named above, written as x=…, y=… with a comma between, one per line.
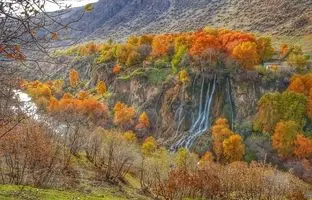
x=173, y=108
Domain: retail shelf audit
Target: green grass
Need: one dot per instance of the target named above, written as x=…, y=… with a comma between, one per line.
x=156, y=76
x=12, y=192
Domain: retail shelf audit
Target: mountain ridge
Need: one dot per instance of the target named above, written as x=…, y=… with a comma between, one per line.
x=117, y=19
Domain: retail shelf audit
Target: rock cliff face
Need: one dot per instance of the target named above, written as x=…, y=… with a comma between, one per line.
x=174, y=108
x=117, y=19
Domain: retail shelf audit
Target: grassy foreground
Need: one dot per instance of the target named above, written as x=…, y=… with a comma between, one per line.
x=13, y=192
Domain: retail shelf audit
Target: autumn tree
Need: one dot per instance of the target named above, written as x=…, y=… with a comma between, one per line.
x=149, y=145
x=180, y=51
x=57, y=87
x=234, y=148
x=230, y=39
x=114, y=156
x=284, y=49
x=203, y=41
x=73, y=78
x=220, y=132
x=54, y=105
x=246, y=53
x=123, y=114
x=101, y=88
x=123, y=53
x=206, y=159
x=264, y=48
x=297, y=85
x=183, y=76
x=274, y=107
x=116, y=69
x=303, y=146
x=82, y=95
x=299, y=61
x=83, y=105
x=143, y=121
x=161, y=45
x=146, y=40
x=284, y=137
x=130, y=136
x=186, y=160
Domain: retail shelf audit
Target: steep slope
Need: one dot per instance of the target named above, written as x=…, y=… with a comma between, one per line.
x=117, y=19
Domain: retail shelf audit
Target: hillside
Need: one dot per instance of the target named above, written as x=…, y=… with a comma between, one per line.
x=118, y=19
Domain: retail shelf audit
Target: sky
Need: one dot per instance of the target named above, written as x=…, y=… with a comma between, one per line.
x=74, y=3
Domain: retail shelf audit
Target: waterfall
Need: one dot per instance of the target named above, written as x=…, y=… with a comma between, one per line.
x=202, y=123
x=230, y=99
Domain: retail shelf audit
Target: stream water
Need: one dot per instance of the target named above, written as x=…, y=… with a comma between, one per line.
x=31, y=110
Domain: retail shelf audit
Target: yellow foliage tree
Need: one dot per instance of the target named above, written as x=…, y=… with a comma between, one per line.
x=234, y=148
x=183, y=76
x=58, y=86
x=130, y=136
x=264, y=48
x=246, y=53
x=298, y=61
x=220, y=132
x=101, y=88
x=149, y=145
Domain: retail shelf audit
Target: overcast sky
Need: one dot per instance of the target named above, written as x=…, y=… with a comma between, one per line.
x=74, y=3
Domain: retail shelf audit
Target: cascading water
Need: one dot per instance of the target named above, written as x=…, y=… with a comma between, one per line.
x=202, y=123
x=230, y=99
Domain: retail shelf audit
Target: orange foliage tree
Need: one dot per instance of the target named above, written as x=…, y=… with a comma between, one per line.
x=82, y=95
x=73, y=78
x=303, y=146
x=123, y=114
x=143, y=121
x=284, y=137
x=206, y=159
x=297, y=85
x=227, y=146
x=161, y=44
x=83, y=105
x=203, y=41
x=284, y=50
x=116, y=69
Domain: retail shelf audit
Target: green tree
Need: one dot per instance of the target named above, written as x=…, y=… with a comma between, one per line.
x=274, y=107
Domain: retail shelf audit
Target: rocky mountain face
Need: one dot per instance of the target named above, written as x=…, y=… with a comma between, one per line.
x=117, y=19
